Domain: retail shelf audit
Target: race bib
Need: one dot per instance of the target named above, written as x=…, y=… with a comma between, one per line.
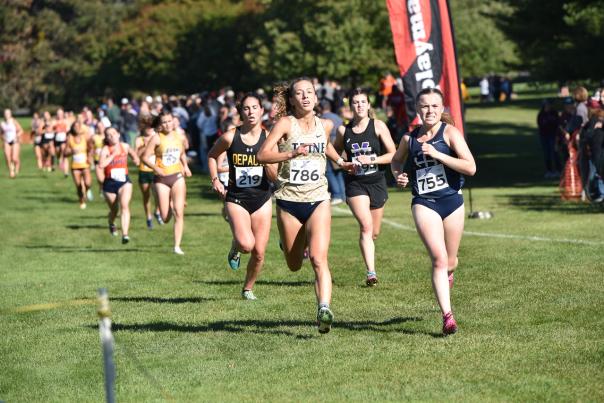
x=49, y=136
x=224, y=178
x=61, y=136
x=79, y=158
x=360, y=169
x=248, y=177
x=303, y=171
x=118, y=174
x=170, y=157
x=431, y=179
x=152, y=159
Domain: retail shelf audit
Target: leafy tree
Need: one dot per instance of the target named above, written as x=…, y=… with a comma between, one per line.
x=558, y=39
x=340, y=39
x=482, y=47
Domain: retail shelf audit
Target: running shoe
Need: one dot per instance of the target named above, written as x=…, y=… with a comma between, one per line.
x=248, y=295
x=324, y=319
x=125, y=239
x=82, y=206
x=234, y=258
x=89, y=195
x=449, y=324
x=451, y=279
x=178, y=251
x=149, y=223
x=113, y=229
x=159, y=219
x=372, y=280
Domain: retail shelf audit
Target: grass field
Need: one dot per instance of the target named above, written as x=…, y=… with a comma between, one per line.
x=527, y=298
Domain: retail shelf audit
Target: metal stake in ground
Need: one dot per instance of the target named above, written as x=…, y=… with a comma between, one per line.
x=104, y=313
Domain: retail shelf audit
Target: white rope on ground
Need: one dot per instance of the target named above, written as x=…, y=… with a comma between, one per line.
x=491, y=234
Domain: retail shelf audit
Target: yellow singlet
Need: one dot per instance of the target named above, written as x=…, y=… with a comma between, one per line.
x=142, y=167
x=79, y=158
x=167, y=154
x=98, y=140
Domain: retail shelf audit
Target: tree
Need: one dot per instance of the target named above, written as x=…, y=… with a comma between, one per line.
x=341, y=39
x=558, y=39
x=482, y=47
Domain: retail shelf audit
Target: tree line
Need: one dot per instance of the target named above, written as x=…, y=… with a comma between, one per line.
x=71, y=52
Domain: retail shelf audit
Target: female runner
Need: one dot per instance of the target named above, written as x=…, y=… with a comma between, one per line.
x=303, y=208
x=367, y=143
x=170, y=167
x=60, y=128
x=436, y=156
x=145, y=174
x=248, y=199
x=79, y=148
x=11, y=133
x=37, y=131
x=117, y=187
x=98, y=141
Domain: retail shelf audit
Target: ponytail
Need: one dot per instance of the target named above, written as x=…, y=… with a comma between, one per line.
x=447, y=118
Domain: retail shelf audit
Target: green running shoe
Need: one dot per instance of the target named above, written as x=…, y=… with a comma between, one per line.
x=234, y=258
x=324, y=319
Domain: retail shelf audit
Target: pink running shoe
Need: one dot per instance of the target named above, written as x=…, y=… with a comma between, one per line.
x=451, y=279
x=449, y=324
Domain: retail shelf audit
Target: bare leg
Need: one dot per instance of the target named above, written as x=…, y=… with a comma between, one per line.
x=179, y=195
x=125, y=194
x=431, y=230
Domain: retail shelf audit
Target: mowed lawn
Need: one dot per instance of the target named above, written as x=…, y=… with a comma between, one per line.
x=527, y=297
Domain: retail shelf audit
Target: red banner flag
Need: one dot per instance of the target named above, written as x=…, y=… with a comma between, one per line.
x=425, y=52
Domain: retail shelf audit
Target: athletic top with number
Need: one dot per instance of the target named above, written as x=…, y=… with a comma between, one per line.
x=302, y=179
x=79, y=158
x=142, y=167
x=60, y=130
x=98, y=140
x=10, y=131
x=366, y=143
x=167, y=153
x=118, y=167
x=246, y=175
x=430, y=178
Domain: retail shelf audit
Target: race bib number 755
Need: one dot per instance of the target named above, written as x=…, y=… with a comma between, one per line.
x=431, y=179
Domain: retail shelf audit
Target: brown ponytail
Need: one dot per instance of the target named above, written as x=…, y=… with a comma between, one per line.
x=447, y=118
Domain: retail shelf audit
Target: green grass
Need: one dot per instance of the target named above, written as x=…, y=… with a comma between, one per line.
x=529, y=309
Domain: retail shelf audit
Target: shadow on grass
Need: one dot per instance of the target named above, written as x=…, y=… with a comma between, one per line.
x=550, y=203
x=163, y=300
x=71, y=249
x=261, y=282
x=273, y=327
x=89, y=226
x=51, y=199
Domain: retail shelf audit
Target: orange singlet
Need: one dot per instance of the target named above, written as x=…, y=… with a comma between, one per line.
x=118, y=167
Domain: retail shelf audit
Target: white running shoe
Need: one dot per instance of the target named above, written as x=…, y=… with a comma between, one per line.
x=178, y=251
x=248, y=295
